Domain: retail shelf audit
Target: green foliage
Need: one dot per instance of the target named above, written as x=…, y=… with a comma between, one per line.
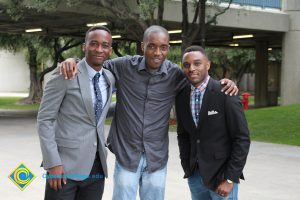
x=275, y=124
x=147, y=8
x=174, y=54
x=50, y=5
x=125, y=48
x=15, y=9
x=231, y=62
x=275, y=55
x=75, y=52
x=12, y=42
x=12, y=103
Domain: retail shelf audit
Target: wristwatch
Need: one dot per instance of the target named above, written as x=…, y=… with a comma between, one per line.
x=229, y=181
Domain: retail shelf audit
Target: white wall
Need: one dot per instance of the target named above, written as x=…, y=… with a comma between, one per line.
x=14, y=72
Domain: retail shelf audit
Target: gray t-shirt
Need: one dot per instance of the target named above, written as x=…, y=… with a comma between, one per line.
x=144, y=102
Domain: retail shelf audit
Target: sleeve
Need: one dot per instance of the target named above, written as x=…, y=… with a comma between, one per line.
x=52, y=98
x=184, y=145
x=115, y=66
x=239, y=133
x=181, y=81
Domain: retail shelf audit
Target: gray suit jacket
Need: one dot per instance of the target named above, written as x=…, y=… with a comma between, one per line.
x=67, y=125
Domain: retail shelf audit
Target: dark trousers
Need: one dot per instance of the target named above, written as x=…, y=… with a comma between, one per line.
x=88, y=189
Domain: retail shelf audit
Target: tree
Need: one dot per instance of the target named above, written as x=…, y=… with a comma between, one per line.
x=199, y=24
x=15, y=43
x=231, y=63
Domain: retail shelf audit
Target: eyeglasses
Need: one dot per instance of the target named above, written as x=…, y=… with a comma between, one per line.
x=153, y=47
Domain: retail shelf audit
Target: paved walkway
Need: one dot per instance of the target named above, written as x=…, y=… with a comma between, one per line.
x=272, y=171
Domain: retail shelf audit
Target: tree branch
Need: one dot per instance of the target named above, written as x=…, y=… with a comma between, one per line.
x=214, y=18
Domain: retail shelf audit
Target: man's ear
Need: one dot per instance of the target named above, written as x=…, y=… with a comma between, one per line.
x=110, y=51
x=208, y=65
x=83, y=47
x=142, y=46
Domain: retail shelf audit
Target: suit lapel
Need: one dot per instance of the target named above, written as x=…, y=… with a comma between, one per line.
x=205, y=104
x=85, y=89
x=109, y=91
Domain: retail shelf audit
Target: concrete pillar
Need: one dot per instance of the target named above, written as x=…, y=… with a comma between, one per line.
x=261, y=74
x=290, y=70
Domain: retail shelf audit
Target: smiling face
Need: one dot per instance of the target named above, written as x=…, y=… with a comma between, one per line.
x=97, y=48
x=195, y=67
x=155, y=48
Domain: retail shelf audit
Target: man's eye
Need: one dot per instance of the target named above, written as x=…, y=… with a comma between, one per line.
x=186, y=65
x=105, y=46
x=151, y=46
x=164, y=47
x=93, y=44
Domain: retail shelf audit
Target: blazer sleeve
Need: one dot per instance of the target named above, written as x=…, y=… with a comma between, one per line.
x=239, y=133
x=184, y=147
x=52, y=98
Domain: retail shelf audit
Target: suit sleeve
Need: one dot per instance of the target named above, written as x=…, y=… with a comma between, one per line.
x=239, y=133
x=184, y=146
x=52, y=98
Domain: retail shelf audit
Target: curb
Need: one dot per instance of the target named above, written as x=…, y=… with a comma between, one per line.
x=18, y=113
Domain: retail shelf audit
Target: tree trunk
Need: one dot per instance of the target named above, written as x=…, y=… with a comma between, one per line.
x=35, y=89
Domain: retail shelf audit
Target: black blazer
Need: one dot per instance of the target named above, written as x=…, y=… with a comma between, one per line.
x=220, y=144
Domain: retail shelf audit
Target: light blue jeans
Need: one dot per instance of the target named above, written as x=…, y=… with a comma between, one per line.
x=151, y=185
x=200, y=192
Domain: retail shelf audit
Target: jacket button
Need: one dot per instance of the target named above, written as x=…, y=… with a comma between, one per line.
x=95, y=143
x=198, y=141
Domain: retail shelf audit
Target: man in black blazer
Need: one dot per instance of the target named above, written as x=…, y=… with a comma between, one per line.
x=213, y=136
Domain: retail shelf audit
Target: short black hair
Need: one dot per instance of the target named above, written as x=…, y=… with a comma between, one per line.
x=154, y=29
x=93, y=28
x=195, y=48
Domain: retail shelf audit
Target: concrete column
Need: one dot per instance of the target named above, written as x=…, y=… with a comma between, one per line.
x=261, y=74
x=290, y=71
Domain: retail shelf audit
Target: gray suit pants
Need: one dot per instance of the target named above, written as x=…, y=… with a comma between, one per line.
x=88, y=189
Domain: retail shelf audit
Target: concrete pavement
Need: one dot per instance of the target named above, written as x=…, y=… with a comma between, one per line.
x=272, y=171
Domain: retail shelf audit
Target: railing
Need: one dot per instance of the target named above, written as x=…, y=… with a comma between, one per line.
x=260, y=3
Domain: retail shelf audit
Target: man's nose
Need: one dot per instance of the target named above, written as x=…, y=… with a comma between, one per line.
x=157, y=51
x=99, y=48
x=192, y=67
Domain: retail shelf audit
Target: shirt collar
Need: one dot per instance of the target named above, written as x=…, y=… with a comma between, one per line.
x=91, y=71
x=162, y=70
x=202, y=86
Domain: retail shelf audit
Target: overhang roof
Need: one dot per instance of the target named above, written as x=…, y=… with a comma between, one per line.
x=66, y=22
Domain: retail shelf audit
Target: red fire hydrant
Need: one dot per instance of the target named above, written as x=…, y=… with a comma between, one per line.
x=245, y=100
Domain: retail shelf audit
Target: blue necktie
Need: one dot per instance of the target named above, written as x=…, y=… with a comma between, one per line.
x=197, y=105
x=98, y=97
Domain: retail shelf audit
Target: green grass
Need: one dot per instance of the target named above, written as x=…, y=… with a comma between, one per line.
x=275, y=124
x=279, y=124
x=12, y=103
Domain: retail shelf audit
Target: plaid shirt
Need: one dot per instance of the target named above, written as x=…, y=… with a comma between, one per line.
x=196, y=99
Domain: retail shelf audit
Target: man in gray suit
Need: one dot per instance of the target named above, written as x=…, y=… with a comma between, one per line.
x=71, y=124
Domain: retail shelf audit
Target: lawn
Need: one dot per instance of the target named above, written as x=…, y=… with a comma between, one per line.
x=12, y=103
x=275, y=124
x=279, y=124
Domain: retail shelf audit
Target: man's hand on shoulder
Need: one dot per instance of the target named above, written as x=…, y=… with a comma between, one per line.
x=68, y=68
x=56, y=177
x=229, y=87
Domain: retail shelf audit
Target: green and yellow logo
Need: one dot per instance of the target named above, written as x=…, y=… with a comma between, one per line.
x=21, y=176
